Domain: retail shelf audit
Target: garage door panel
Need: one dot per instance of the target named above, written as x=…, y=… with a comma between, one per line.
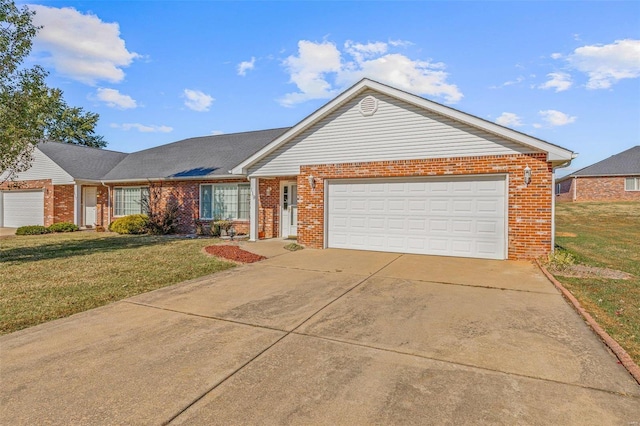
x=458, y=217
x=21, y=208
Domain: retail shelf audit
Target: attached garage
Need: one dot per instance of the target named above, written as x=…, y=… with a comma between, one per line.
x=463, y=216
x=381, y=169
x=20, y=208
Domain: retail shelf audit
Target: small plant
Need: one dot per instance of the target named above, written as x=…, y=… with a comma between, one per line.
x=100, y=228
x=63, y=227
x=32, y=230
x=221, y=225
x=293, y=247
x=200, y=227
x=559, y=260
x=162, y=208
x=132, y=224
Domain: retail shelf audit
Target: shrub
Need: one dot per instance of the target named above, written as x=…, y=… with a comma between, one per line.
x=63, y=227
x=132, y=224
x=219, y=226
x=162, y=210
x=293, y=247
x=559, y=260
x=32, y=230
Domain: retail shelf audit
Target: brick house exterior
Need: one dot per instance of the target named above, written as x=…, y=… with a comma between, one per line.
x=389, y=126
x=449, y=183
x=616, y=178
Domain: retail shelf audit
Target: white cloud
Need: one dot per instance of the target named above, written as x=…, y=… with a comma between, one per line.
x=79, y=46
x=509, y=119
x=142, y=127
x=607, y=64
x=197, y=100
x=400, y=43
x=217, y=132
x=115, y=99
x=553, y=118
x=245, y=66
x=320, y=70
x=556, y=55
x=560, y=81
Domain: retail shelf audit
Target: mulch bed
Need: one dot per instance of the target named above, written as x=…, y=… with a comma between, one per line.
x=234, y=253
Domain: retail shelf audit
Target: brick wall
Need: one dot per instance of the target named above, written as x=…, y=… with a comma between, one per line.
x=63, y=203
x=604, y=189
x=529, y=207
x=269, y=206
x=187, y=193
x=45, y=184
x=565, y=191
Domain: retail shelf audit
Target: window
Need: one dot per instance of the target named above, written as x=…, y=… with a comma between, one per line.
x=225, y=201
x=632, y=184
x=128, y=200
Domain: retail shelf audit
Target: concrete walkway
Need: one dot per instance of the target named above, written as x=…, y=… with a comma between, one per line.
x=6, y=232
x=324, y=337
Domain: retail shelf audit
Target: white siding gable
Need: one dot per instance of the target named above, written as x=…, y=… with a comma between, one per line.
x=43, y=167
x=396, y=131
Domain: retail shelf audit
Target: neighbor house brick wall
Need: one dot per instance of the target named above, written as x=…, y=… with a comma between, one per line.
x=44, y=184
x=187, y=193
x=603, y=189
x=63, y=203
x=565, y=190
x=529, y=207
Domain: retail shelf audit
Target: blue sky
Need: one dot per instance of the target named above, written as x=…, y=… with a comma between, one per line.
x=157, y=72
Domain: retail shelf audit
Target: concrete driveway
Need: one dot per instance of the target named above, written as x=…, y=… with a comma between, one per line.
x=324, y=337
x=6, y=232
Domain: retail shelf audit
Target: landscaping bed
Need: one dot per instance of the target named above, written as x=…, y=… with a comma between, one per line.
x=233, y=253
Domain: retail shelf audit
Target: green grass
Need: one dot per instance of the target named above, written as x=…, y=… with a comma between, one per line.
x=52, y=276
x=607, y=235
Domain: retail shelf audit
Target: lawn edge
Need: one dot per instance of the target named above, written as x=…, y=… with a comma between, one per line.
x=615, y=347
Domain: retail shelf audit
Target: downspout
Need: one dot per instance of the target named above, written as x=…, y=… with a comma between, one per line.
x=553, y=209
x=575, y=189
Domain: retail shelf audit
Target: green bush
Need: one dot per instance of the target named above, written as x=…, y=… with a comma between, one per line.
x=63, y=227
x=32, y=230
x=132, y=224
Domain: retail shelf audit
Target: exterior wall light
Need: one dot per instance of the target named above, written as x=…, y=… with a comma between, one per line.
x=527, y=175
x=268, y=191
x=312, y=181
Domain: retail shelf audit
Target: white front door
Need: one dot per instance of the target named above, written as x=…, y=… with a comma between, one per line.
x=90, y=202
x=289, y=211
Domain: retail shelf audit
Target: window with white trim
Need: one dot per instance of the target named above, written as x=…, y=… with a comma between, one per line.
x=225, y=201
x=128, y=200
x=632, y=184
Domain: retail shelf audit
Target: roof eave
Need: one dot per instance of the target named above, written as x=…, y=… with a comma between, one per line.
x=172, y=178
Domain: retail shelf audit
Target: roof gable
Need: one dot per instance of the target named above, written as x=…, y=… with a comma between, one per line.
x=626, y=163
x=81, y=162
x=554, y=152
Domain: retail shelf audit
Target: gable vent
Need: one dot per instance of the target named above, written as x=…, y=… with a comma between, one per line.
x=368, y=106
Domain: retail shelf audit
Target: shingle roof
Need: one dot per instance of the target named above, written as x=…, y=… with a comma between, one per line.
x=81, y=162
x=626, y=163
x=206, y=156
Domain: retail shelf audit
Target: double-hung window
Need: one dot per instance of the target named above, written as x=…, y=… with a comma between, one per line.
x=128, y=200
x=632, y=184
x=225, y=201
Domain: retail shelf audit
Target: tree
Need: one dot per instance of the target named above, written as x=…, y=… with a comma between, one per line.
x=30, y=111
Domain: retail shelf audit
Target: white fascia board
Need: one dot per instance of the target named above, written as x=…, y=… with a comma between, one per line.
x=554, y=153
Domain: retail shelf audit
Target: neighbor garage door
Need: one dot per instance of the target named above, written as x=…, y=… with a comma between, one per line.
x=21, y=208
x=450, y=217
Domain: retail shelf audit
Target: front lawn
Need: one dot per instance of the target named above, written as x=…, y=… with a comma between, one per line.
x=53, y=276
x=605, y=235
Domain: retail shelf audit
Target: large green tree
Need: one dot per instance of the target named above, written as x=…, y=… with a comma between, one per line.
x=30, y=111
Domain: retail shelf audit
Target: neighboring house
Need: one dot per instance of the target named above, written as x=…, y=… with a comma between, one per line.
x=374, y=169
x=63, y=185
x=615, y=179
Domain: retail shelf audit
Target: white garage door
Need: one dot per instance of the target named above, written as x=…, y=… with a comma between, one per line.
x=21, y=208
x=451, y=217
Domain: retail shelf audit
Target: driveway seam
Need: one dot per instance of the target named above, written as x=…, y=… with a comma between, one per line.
x=287, y=333
x=488, y=287
x=363, y=345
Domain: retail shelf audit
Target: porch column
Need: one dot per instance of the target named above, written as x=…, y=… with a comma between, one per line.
x=253, y=210
x=77, y=204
